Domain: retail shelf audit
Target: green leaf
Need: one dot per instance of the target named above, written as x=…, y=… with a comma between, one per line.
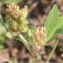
x=59, y=30
x=1, y=21
x=30, y=33
x=2, y=39
x=60, y=22
x=8, y=35
x=58, y=33
x=32, y=28
x=2, y=28
x=51, y=22
x=1, y=47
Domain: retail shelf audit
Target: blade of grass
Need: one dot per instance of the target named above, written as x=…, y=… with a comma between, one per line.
x=52, y=51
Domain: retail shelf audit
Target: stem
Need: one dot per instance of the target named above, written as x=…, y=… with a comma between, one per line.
x=52, y=51
x=35, y=60
x=21, y=38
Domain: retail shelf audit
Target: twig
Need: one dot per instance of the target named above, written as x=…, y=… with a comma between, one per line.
x=5, y=59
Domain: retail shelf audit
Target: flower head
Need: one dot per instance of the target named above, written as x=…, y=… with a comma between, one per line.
x=13, y=25
x=13, y=10
x=39, y=40
x=24, y=11
x=40, y=36
x=17, y=18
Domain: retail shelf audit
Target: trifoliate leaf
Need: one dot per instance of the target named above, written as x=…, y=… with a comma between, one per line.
x=51, y=22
